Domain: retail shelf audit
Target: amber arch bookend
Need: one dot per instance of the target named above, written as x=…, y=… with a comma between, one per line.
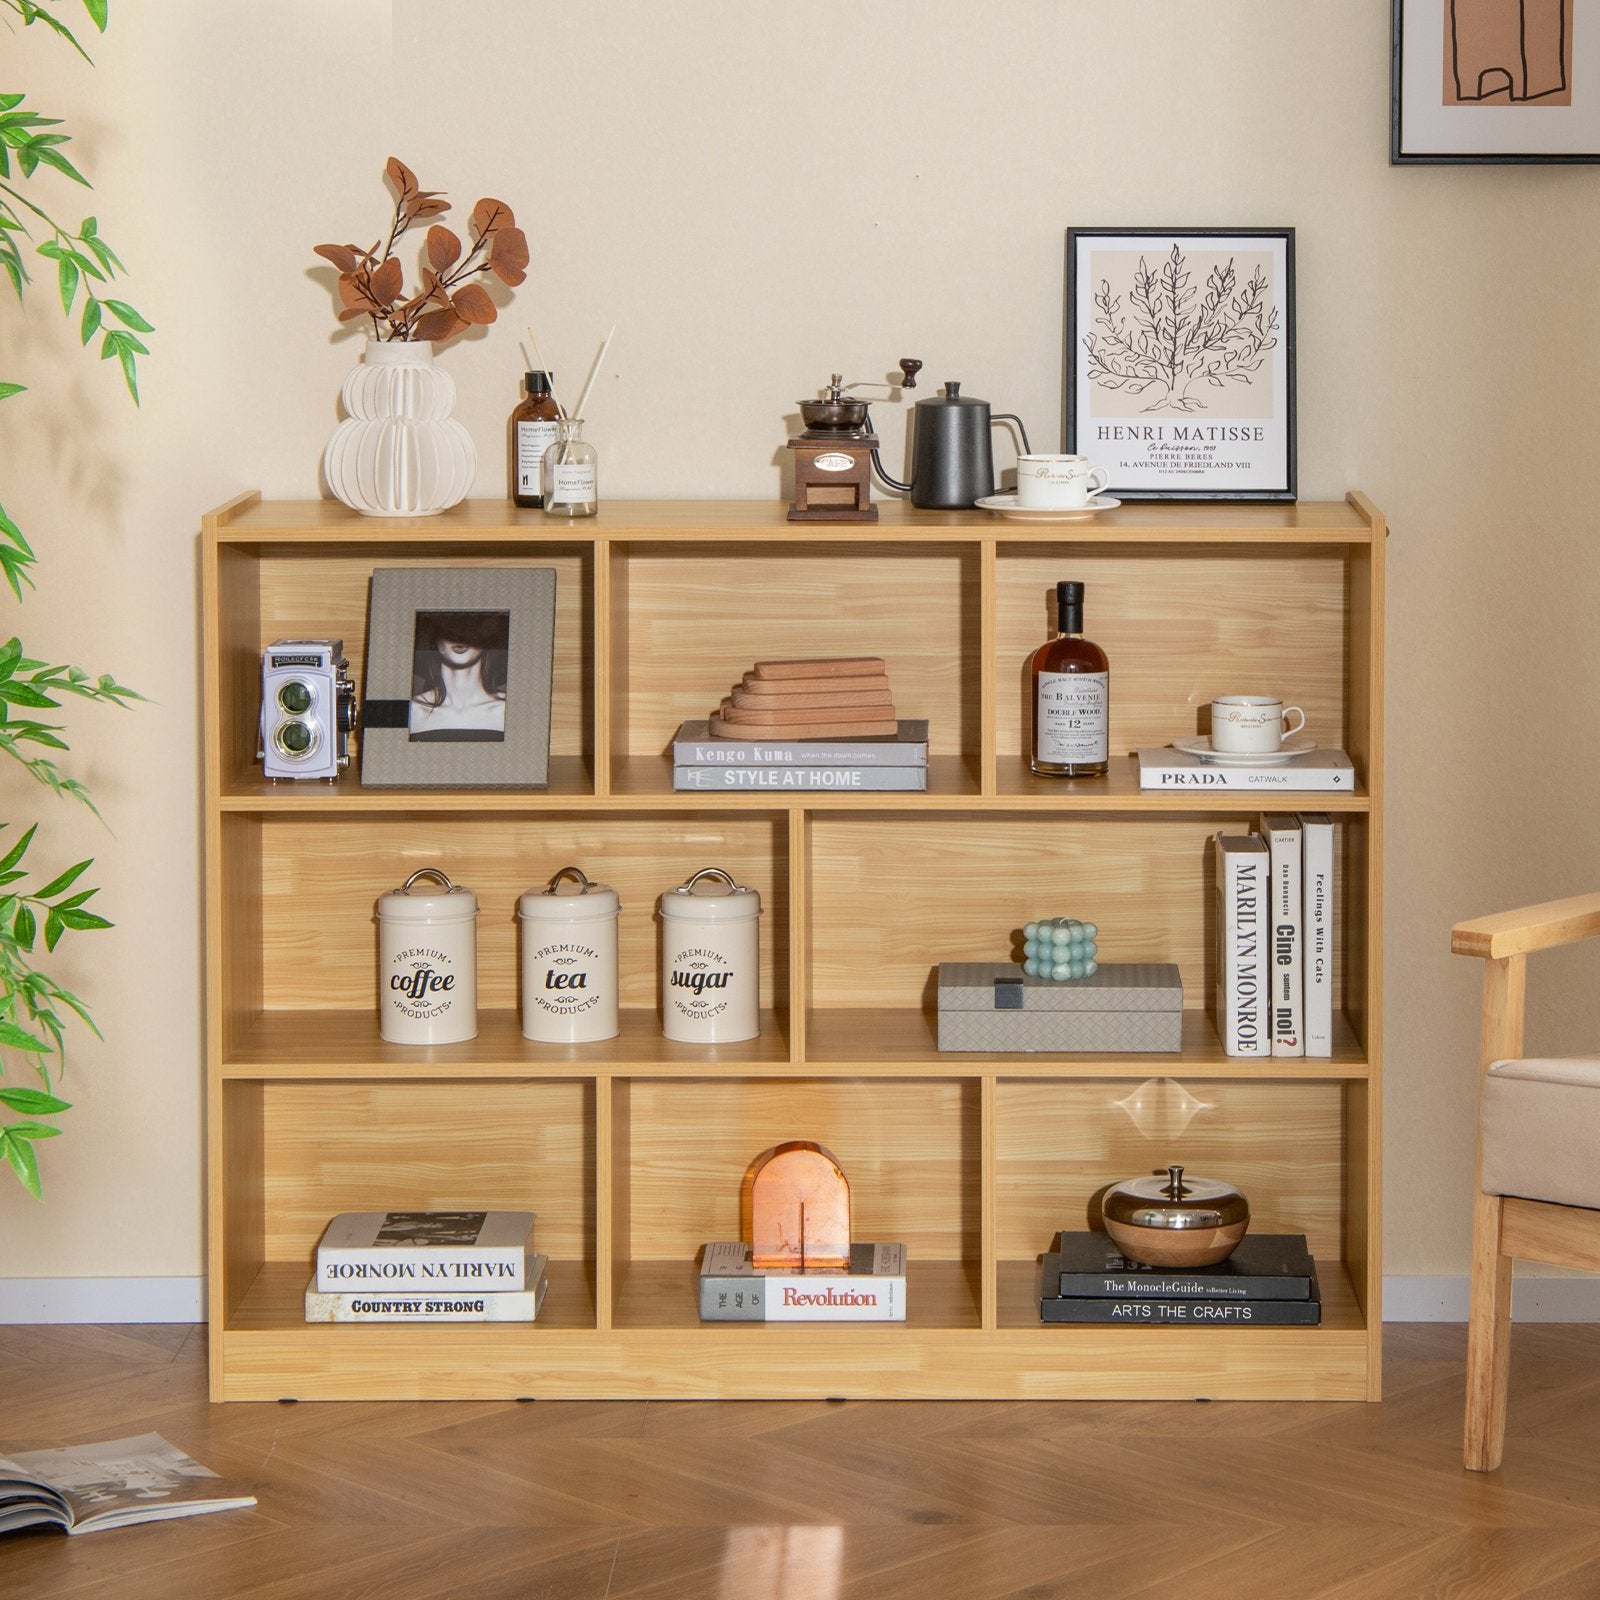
x=799, y=1208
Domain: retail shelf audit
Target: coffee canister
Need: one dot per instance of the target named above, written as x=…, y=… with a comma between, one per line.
x=569, y=960
x=428, y=962
x=710, y=960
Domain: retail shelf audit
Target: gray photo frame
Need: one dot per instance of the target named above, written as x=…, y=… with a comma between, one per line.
x=410, y=739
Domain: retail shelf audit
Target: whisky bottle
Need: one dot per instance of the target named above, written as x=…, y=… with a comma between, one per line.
x=1071, y=696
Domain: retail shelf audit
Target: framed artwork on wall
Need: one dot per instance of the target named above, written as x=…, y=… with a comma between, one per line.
x=458, y=681
x=1180, y=361
x=1495, y=81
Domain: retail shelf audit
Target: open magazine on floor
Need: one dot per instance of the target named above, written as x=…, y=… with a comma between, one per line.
x=85, y=1487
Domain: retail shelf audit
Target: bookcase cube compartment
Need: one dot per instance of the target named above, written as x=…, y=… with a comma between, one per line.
x=682, y=1152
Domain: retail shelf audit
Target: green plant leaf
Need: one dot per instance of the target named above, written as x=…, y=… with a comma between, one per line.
x=54, y=158
x=33, y=1102
x=9, y=389
x=25, y=928
x=67, y=274
x=14, y=1038
x=91, y=319
x=33, y=13
x=23, y=1162
x=32, y=1130
x=19, y=693
x=70, y=876
x=81, y=921
x=14, y=533
x=125, y=314
x=20, y=848
x=97, y=10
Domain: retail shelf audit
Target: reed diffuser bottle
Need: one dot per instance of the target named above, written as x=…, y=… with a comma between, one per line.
x=569, y=473
x=533, y=430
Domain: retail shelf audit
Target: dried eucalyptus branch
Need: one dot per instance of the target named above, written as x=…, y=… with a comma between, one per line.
x=446, y=303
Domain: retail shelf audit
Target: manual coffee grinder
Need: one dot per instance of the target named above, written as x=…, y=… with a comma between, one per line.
x=833, y=457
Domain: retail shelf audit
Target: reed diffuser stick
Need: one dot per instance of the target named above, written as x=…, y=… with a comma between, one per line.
x=547, y=378
x=594, y=371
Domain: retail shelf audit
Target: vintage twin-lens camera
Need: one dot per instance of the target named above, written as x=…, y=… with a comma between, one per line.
x=308, y=708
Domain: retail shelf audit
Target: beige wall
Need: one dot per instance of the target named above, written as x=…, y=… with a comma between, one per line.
x=757, y=195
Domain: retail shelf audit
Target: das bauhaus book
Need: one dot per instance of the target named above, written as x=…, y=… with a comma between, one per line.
x=1243, y=871
x=443, y=1305
x=83, y=1488
x=1318, y=941
x=425, y=1250
x=1167, y=768
x=873, y=1290
x=1263, y=1266
x=693, y=746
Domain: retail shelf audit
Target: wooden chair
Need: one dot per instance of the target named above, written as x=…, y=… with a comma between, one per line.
x=1538, y=1152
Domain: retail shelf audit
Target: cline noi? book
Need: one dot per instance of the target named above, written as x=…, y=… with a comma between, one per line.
x=873, y=1290
x=425, y=1250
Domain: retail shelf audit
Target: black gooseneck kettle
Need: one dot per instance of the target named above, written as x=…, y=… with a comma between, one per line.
x=952, y=462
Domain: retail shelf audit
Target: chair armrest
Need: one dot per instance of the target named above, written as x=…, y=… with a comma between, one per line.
x=1514, y=933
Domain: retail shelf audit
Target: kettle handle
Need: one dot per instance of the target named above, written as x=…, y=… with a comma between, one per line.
x=1007, y=416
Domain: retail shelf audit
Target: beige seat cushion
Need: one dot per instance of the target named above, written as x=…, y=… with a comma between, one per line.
x=1541, y=1130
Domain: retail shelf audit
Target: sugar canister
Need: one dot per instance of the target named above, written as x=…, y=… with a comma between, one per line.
x=428, y=962
x=710, y=960
x=569, y=960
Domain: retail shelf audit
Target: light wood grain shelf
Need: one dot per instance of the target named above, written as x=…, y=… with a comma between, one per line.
x=633, y=1151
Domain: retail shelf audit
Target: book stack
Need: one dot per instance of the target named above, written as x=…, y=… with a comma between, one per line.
x=872, y=1289
x=1275, y=922
x=1170, y=768
x=1270, y=1280
x=427, y=1266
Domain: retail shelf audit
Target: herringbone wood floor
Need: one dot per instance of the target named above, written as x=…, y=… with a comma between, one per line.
x=757, y=1501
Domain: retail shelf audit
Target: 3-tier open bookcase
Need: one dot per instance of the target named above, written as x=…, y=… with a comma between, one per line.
x=632, y=1151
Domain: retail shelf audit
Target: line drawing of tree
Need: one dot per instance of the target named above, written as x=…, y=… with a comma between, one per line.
x=1172, y=345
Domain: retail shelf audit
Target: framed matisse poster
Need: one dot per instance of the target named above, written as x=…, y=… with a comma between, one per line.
x=1180, y=360
x=1495, y=81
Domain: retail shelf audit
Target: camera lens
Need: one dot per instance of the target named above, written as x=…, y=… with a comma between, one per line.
x=295, y=697
x=295, y=738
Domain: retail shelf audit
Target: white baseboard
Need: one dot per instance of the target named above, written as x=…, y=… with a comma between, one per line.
x=102, y=1300
x=24, y=1300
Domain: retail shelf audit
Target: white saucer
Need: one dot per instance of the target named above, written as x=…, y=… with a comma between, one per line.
x=1287, y=751
x=1006, y=505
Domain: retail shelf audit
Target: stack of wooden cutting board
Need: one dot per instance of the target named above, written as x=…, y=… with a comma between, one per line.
x=827, y=697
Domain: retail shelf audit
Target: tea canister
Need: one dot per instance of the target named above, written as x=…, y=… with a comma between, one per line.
x=569, y=960
x=710, y=960
x=428, y=962
x=1174, y=1221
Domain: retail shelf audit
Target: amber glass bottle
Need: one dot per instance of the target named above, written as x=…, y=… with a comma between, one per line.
x=1071, y=696
x=533, y=431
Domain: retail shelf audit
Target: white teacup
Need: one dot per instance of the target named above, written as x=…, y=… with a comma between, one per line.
x=1058, y=483
x=1252, y=724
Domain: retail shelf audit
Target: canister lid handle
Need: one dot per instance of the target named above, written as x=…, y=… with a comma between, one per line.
x=576, y=874
x=710, y=872
x=427, y=872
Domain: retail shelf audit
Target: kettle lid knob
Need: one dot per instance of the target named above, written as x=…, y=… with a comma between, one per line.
x=952, y=391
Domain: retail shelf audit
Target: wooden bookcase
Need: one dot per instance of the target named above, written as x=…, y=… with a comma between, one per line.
x=632, y=1151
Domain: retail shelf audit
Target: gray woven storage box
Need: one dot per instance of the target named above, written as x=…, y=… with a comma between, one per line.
x=1125, y=1006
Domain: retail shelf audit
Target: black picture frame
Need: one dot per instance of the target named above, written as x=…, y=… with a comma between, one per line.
x=415, y=729
x=1215, y=421
x=1453, y=102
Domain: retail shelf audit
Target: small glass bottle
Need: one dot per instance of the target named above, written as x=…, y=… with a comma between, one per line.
x=533, y=430
x=568, y=474
x=1071, y=697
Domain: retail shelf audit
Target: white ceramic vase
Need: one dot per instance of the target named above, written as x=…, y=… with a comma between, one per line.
x=399, y=452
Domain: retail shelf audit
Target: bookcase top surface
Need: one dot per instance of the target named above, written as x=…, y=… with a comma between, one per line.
x=249, y=519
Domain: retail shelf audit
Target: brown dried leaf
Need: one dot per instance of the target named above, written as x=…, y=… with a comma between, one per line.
x=423, y=209
x=508, y=256
x=444, y=249
x=354, y=291
x=490, y=214
x=437, y=326
x=473, y=304
x=402, y=177
x=353, y=313
x=386, y=282
x=341, y=255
